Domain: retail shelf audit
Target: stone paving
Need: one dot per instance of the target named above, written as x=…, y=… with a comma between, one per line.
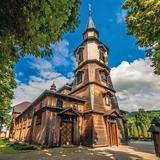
x=134, y=151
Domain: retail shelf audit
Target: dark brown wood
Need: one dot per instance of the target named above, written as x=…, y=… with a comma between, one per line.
x=67, y=133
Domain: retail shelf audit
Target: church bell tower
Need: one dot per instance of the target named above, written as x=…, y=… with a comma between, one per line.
x=92, y=82
x=92, y=74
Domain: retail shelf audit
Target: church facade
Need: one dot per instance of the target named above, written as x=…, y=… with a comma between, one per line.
x=85, y=112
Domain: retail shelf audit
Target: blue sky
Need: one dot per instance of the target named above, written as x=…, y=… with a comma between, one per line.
x=124, y=55
x=109, y=20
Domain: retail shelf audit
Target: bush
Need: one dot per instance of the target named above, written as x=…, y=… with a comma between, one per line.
x=14, y=147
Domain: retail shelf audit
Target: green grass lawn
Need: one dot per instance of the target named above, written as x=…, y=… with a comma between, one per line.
x=9, y=147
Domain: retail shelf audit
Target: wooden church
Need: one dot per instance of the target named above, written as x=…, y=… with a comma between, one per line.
x=85, y=112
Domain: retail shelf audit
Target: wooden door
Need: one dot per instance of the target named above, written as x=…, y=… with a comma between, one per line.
x=113, y=133
x=66, y=133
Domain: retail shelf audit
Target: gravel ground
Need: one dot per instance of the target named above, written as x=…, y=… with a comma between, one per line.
x=134, y=151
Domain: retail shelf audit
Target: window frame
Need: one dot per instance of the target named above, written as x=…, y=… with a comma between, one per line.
x=80, y=56
x=59, y=103
x=104, y=76
x=79, y=80
x=107, y=99
x=102, y=54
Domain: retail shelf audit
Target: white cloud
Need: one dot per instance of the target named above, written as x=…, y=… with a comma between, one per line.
x=35, y=86
x=61, y=55
x=121, y=16
x=136, y=85
x=46, y=74
x=40, y=64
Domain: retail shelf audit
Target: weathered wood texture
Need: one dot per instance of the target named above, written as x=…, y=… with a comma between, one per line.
x=84, y=112
x=100, y=137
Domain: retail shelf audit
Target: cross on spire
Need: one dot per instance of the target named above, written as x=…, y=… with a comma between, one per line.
x=90, y=9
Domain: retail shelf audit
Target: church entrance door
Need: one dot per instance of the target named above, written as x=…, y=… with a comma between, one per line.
x=66, y=133
x=113, y=134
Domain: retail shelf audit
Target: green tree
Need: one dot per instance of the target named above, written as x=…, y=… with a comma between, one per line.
x=134, y=131
x=143, y=19
x=29, y=27
x=7, y=83
x=142, y=117
x=139, y=131
x=144, y=131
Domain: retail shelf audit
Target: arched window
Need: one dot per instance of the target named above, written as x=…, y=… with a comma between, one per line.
x=104, y=75
x=101, y=54
x=107, y=99
x=59, y=103
x=79, y=77
x=80, y=55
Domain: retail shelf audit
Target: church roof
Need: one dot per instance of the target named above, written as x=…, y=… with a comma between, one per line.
x=19, y=108
x=56, y=94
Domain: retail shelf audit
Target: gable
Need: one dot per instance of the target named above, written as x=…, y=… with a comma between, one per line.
x=69, y=111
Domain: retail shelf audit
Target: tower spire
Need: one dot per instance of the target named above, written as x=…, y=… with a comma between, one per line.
x=90, y=23
x=90, y=31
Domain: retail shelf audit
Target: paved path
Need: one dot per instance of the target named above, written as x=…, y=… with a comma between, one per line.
x=134, y=151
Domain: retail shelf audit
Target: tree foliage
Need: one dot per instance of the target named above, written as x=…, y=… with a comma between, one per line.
x=140, y=122
x=29, y=27
x=143, y=19
x=142, y=117
x=7, y=83
x=134, y=131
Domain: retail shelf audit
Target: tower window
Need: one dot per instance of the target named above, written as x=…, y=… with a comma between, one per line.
x=104, y=76
x=80, y=56
x=59, y=103
x=101, y=55
x=107, y=100
x=79, y=77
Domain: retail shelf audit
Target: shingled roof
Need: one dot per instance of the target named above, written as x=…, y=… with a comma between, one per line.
x=19, y=108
